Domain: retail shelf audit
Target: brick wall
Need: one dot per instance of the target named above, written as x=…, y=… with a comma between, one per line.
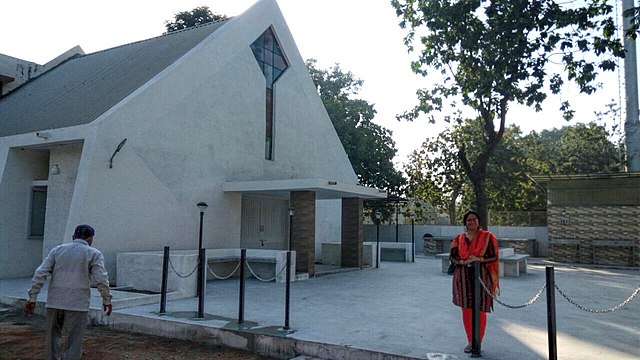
x=590, y=224
x=352, y=233
x=303, y=229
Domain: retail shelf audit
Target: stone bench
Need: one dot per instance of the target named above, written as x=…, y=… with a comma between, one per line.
x=511, y=264
x=332, y=252
x=143, y=270
x=520, y=245
x=395, y=251
x=569, y=250
x=612, y=254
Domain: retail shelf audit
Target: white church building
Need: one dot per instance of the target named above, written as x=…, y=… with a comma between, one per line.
x=130, y=139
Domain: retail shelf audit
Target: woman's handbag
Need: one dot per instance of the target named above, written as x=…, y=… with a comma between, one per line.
x=451, y=268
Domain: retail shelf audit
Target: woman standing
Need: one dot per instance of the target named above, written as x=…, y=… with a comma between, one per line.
x=468, y=247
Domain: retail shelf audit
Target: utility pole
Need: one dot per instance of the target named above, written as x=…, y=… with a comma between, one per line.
x=632, y=120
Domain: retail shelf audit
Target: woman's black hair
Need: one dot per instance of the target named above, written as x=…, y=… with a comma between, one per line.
x=466, y=215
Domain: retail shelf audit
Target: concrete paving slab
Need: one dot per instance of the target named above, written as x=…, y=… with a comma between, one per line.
x=399, y=311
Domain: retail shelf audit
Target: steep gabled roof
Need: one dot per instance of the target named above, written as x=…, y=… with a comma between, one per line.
x=81, y=89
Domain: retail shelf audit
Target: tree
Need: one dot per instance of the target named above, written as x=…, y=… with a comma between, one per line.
x=369, y=146
x=579, y=149
x=197, y=16
x=434, y=174
x=492, y=53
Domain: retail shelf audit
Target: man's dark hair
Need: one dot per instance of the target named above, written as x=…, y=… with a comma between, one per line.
x=83, y=232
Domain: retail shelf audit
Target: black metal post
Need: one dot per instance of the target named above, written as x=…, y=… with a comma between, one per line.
x=200, y=248
x=378, y=244
x=476, y=350
x=413, y=241
x=165, y=274
x=200, y=236
x=551, y=314
x=290, y=231
x=243, y=259
x=201, y=282
x=397, y=212
x=287, y=296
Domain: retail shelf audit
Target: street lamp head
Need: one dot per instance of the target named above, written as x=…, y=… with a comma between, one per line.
x=292, y=211
x=202, y=206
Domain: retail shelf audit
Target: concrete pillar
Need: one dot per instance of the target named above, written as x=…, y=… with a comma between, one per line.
x=352, y=233
x=632, y=122
x=303, y=230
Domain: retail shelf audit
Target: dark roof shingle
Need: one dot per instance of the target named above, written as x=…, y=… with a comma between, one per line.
x=79, y=90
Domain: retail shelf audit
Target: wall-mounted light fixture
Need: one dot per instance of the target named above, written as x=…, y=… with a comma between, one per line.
x=55, y=170
x=43, y=135
x=115, y=152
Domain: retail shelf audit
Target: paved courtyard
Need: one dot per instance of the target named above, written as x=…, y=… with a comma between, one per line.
x=399, y=311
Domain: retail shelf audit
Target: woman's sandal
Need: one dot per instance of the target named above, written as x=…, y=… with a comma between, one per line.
x=467, y=349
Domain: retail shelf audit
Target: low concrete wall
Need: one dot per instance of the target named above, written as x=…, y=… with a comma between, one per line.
x=331, y=254
x=143, y=270
x=388, y=234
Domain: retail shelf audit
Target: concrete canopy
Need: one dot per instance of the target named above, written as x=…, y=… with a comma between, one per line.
x=324, y=189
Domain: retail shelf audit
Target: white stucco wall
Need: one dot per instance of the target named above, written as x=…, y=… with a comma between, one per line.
x=198, y=124
x=59, y=194
x=20, y=255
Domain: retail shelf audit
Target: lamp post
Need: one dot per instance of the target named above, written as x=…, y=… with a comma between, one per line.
x=378, y=216
x=413, y=237
x=202, y=206
x=292, y=211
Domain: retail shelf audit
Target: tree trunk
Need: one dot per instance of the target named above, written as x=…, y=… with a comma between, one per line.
x=481, y=202
x=452, y=204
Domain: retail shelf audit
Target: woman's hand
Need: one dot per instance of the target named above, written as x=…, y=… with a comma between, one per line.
x=471, y=259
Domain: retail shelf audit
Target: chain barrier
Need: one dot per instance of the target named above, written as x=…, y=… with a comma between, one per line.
x=531, y=301
x=261, y=279
x=598, y=311
x=177, y=273
x=223, y=277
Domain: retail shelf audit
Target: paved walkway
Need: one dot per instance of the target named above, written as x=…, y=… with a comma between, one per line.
x=400, y=311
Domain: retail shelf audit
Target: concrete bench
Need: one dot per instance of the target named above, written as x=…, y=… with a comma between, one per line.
x=558, y=254
x=609, y=246
x=520, y=245
x=510, y=263
x=395, y=251
x=513, y=265
x=332, y=252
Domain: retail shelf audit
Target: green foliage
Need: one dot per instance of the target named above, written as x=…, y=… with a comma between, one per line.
x=579, y=149
x=197, y=16
x=369, y=146
x=435, y=174
x=491, y=53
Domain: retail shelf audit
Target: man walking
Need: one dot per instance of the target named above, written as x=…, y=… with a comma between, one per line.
x=72, y=267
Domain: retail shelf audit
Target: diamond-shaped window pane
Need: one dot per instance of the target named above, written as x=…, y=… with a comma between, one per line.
x=269, y=56
x=279, y=62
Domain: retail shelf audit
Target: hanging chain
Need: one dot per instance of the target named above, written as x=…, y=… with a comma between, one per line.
x=598, y=311
x=177, y=273
x=223, y=277
x=261, y=279
x=495, y=297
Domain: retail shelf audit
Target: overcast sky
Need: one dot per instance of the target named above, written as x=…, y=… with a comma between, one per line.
x=363, y=36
